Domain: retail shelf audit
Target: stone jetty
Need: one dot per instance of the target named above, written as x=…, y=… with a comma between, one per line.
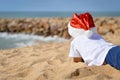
x=38, y=26
x=56, y=26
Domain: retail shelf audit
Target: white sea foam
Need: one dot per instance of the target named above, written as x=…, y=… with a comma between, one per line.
x=21, y=44
x=19, y=40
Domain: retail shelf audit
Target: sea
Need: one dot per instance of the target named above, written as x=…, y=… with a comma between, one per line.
x=9, y=41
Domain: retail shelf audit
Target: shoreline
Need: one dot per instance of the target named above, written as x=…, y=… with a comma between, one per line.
x=10, y=41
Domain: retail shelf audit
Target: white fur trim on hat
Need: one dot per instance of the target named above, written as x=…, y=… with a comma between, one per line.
x=74, y=32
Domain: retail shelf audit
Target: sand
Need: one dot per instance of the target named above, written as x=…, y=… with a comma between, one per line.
x=49, y=62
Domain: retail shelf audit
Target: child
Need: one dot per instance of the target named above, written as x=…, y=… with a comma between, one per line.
x=88, y=46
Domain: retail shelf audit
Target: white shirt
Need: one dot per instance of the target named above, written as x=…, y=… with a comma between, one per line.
x=93, y=50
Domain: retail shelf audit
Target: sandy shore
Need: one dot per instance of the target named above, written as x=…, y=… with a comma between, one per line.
x=51, y=62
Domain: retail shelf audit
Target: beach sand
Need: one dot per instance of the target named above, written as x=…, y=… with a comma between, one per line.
x=49, y=62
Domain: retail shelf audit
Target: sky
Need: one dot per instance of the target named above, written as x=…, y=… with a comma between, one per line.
x=60, y=5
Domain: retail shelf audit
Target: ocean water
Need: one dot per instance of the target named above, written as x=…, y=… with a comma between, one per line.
x=8, y=41
x=34, y=14
x=51, y=14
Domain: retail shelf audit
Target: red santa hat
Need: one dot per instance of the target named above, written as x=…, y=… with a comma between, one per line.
x=82, y=24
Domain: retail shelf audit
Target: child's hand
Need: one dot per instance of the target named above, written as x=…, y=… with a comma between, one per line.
x=78, y=59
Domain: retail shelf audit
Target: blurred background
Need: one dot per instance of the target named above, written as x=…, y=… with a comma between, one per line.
x=28, y=16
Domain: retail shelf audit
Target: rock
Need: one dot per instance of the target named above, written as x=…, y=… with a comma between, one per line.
x=103, y=30
x=55, y=26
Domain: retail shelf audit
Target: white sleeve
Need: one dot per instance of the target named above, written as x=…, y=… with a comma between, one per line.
x=74, y=52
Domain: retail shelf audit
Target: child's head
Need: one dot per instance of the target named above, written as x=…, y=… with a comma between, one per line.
x=82, y=24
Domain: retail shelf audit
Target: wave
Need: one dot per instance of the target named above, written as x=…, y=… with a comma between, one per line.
x=19, y=40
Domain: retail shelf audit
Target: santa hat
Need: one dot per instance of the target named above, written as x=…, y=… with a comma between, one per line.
x=82, y=24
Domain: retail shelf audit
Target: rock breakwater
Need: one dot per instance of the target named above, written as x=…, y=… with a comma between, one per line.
x=37, y=26
x=57, y=26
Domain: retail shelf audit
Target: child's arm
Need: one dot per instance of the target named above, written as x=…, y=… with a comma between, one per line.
x=78, y=59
